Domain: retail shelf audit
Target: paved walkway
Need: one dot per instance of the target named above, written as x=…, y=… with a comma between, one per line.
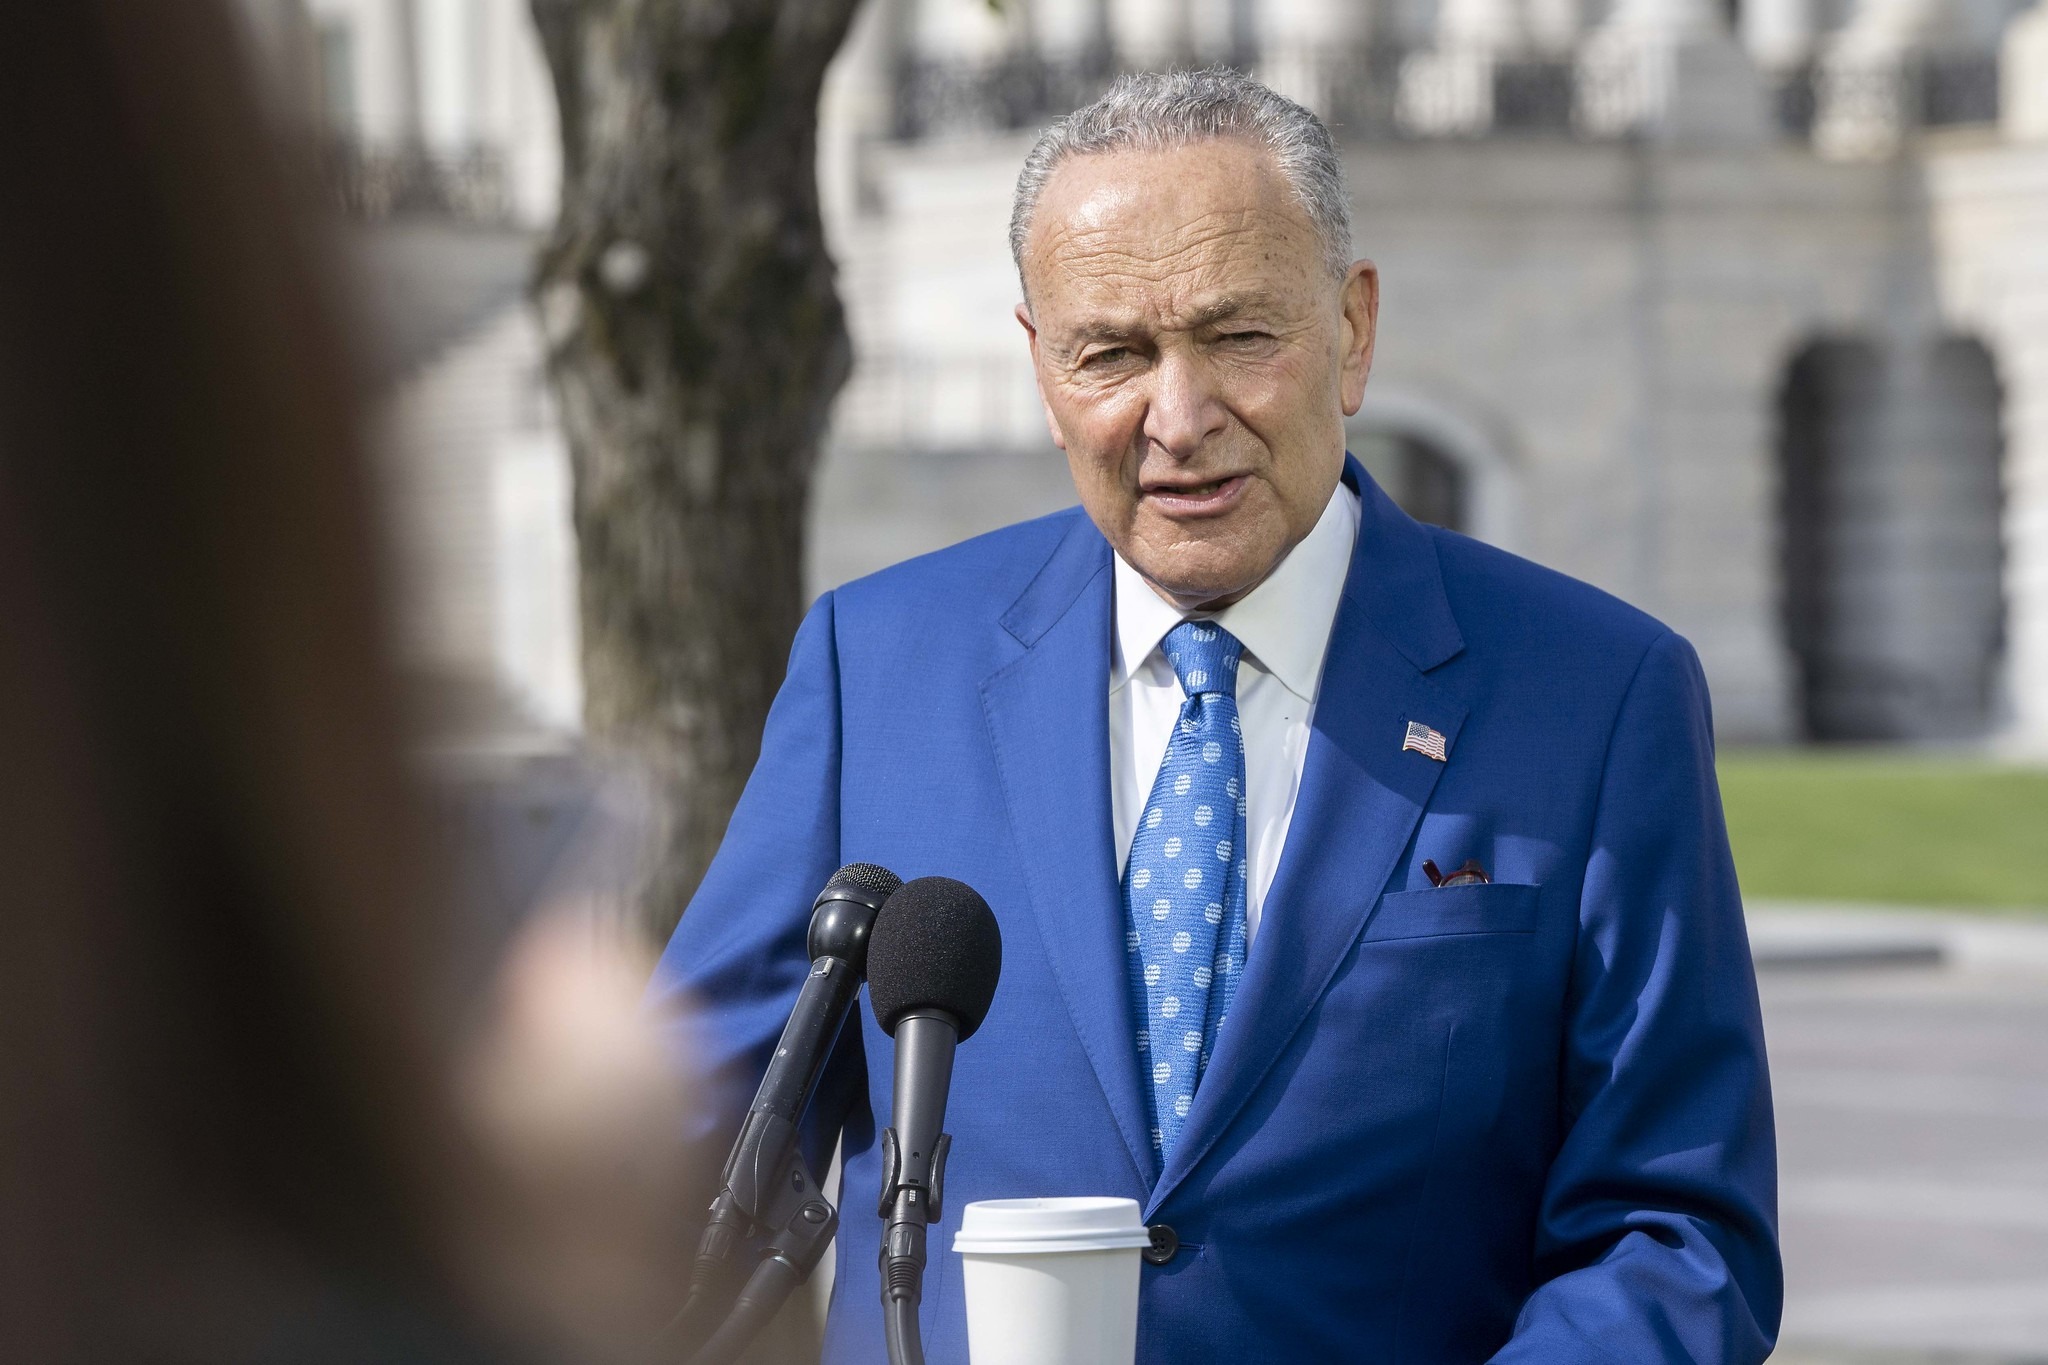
x=1909, y=1056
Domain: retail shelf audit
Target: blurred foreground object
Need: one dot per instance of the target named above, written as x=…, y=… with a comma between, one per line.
x=696, y=342
x=579, y=1103
x=228, y=1002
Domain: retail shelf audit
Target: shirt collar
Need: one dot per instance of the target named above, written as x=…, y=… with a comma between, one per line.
x=1284, y=623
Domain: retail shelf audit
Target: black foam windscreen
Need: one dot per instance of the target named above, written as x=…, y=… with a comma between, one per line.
x=868, y=877
x=934, y=946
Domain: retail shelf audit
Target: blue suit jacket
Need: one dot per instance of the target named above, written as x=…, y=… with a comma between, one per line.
x=1526, y=1121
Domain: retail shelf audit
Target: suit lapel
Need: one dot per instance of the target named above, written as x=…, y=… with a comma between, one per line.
x=1360, y=799
x=1048, y=722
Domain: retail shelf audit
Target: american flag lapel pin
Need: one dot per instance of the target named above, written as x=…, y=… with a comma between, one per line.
x=1425, y=741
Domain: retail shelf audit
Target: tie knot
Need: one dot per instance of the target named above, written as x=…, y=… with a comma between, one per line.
x=1204, y=657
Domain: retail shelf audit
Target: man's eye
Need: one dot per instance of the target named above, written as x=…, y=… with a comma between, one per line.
x=1241, y=338
x=1109, y=354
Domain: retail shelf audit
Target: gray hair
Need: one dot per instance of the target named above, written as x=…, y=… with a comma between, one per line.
x=1152, y=111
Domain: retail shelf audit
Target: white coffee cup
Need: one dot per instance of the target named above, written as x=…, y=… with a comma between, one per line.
x=1051, y=1281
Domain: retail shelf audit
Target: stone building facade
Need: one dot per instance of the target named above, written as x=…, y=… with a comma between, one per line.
x=1739, y=311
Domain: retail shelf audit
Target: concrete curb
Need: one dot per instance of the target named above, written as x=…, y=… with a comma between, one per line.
x=1823, y=935
x=1799, y=1355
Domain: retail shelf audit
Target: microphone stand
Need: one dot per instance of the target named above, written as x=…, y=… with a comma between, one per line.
x=766, y=1186
x=914, y=1154
x=806, y=1222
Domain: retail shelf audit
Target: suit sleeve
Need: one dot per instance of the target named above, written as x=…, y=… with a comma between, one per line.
x=1657, y=1238
x=732, y=970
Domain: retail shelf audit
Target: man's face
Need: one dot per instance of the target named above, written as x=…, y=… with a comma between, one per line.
x=1195, y=358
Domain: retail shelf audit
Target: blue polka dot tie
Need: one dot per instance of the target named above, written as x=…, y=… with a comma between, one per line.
x=1184, y=884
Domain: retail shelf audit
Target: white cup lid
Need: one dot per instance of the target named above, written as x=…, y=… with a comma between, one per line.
x=1010, y=1227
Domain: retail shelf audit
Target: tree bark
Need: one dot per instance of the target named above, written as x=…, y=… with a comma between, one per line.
x=695, y=343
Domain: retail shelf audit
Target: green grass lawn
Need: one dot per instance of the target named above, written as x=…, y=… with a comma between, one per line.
x=1887, y=826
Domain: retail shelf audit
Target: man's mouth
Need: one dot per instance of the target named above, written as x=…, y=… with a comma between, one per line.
x=1209, y=498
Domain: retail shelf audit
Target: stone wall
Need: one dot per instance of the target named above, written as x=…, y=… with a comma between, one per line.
x=1990, y=224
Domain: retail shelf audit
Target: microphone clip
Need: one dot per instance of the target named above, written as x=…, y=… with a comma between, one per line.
x=800, y=1223
x=804, y=1236
x=893, y=1183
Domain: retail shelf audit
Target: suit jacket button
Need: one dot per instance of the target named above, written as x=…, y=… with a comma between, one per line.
x=1165, y=1244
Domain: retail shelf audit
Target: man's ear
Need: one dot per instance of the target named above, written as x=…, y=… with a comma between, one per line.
x=1023, y=314
x=1359, y=296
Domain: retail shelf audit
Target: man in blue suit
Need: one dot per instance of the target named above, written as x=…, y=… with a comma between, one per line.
x=1367, y=911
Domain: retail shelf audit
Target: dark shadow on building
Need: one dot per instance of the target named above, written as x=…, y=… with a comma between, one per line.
x=1890, y=551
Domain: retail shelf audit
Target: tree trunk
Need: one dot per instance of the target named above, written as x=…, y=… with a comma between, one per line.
x=695, y=342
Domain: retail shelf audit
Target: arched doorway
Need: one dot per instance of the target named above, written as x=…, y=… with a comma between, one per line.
x=1428, y=484
x=1890, y=552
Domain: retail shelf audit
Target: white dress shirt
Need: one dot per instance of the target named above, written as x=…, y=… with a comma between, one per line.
x=1284, y=626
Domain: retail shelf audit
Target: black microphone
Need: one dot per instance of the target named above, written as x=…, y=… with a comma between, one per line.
x=932, y=969
x=765, y=1185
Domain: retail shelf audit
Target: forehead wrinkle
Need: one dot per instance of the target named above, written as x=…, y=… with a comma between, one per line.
x=1124, y=248
x=1188, y=289
x=1118, y=305
x=1209, y=243
x=1149, y=187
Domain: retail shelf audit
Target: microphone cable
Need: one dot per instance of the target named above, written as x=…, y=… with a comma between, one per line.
x=906, y=1343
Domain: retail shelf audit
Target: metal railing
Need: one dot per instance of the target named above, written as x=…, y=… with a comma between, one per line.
x=1958, y=88
x=1360, y=92
x=1381, y=92
x=1925, y=90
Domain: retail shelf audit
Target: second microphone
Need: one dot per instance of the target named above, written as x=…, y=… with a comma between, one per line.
x=933, y=962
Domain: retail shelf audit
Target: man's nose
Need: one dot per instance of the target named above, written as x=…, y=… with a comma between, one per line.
x=1185, y=409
